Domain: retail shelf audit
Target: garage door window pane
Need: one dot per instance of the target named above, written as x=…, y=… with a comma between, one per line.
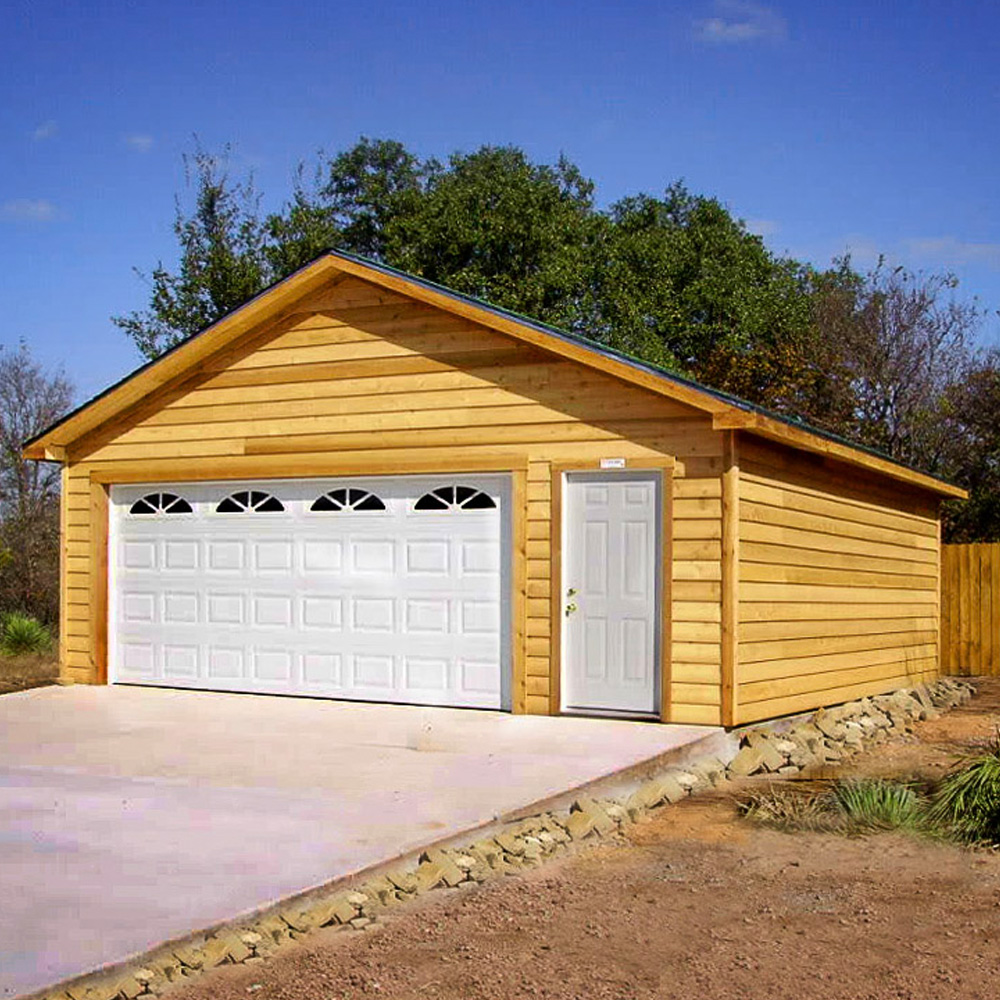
x=250, y=502
x=347, y=500
x=160, y=503
x=455, y=498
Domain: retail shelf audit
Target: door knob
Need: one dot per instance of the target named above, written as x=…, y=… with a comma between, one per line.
x=571, y=607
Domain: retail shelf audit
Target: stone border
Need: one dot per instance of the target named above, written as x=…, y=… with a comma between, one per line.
x=784, y=747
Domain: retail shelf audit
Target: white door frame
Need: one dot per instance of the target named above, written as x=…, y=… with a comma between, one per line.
x=663, y=469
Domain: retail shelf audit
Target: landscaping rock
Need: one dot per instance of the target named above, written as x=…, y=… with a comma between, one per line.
x=404, y=881
x=828, y=725
x=709, y=771
x=603, y=823
x=510, y=843
x=749, y=760
x=771, y=758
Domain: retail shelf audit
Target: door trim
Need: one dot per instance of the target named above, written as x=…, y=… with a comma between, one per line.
x=665, y=467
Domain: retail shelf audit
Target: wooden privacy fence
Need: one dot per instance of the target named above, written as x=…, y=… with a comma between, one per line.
x=970, y=609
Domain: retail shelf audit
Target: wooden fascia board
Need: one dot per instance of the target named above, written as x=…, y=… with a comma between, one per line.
x=178, y=363
x=775, y=430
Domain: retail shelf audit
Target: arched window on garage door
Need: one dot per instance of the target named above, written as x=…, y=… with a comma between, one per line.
x=455, y=498
x=250, y=502
x=160, y=503
x=347, y=499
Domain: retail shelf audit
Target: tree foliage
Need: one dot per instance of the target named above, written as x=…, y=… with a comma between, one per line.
x=31, y=399
x=899, y=342
x=670, y=280
x=883, y=358
x=223, y=260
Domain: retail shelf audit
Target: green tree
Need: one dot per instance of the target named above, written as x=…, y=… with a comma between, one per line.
x=973, y=411
x=31, y=399
x=676, y=281
x=494, y=225
x=901, y=344
x=223, y=260
x=683, y=282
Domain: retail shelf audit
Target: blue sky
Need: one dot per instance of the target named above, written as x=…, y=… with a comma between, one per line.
x=857, y=125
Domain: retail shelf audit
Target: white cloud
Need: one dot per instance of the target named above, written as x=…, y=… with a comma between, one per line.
x=27, y=210
x=735, y=22
x=45, y=131
x=139, y=142
x=949, y=251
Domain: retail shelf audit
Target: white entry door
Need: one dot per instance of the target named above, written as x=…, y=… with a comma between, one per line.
x=382, y=589
x=611, y=592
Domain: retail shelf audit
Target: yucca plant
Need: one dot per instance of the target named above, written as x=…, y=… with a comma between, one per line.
x=967, y=800
x=20, y=634
x=875, y=804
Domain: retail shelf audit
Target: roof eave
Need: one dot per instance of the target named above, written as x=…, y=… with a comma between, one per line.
x=727, y=413
x=264, y=306
x=803, y=440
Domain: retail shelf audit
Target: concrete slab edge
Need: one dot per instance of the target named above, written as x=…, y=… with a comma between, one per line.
x=523, y=839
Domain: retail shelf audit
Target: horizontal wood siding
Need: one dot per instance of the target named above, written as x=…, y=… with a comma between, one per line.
x=367, y=380
x=838, y=584
x=696, y=642
x=75, y=640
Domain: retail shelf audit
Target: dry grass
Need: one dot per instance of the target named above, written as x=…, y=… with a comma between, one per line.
x=852, y=806
x=26, y=671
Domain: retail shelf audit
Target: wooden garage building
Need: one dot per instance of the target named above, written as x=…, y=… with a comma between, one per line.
x=362, y=485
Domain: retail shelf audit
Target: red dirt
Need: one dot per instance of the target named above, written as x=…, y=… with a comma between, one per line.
x=697, y=904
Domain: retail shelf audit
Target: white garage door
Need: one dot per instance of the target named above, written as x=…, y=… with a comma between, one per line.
x=383, y=589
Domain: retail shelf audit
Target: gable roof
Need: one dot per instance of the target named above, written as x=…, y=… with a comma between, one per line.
x=280, y=300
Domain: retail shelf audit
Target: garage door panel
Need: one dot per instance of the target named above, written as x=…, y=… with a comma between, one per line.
x=394, y=605
x=181, y=555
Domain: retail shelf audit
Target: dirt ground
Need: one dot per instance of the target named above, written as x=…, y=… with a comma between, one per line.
x=698, y=903
x=17, y=673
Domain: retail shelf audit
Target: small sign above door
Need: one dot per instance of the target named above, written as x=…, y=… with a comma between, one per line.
x=612, y=463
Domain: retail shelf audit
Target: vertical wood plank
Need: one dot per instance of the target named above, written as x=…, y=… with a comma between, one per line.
x=985, y=611
x=949, y=597
x=519, y=583
x=975, y=610
x=963, y=610
x=555, y=591
x=99, y=580
x=940, y=614
x=666, y=594
x=970, y=609
x=63, y=576
x=995, y=618
x=945, y=613
x=730, y=577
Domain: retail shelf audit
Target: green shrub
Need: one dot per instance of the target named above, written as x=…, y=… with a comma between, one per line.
x=20, y=633
x=854, y=806
x=875, y=804
x=967, y=801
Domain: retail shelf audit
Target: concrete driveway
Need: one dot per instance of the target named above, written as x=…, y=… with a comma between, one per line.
x=130, y=815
